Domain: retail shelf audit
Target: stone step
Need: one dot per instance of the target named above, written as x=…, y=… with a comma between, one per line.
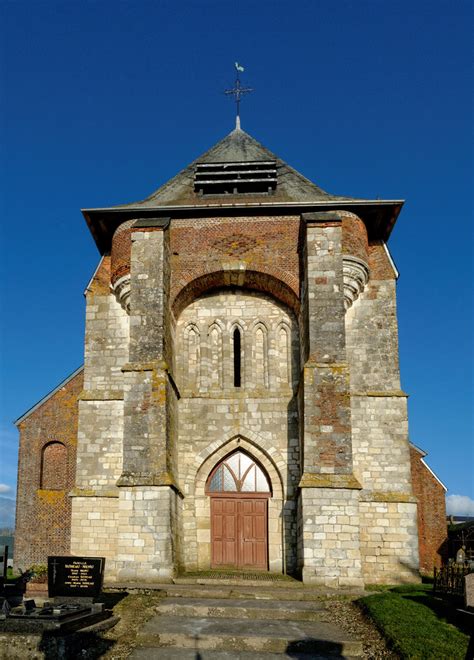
x=241, y=609
x=261, y=636
x=247, y=594
x=246, y=591
x=231, y=582
x=218, y=590
x=258, y=593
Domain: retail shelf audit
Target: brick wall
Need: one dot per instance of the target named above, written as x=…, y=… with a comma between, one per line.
x=354, y=237
x=432, y=528
x=265, y=244
x=46, y=474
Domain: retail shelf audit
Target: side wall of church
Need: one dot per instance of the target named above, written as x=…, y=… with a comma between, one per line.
x=46, y=473
x=100, y=430
x=389, y=542
x=432, y=526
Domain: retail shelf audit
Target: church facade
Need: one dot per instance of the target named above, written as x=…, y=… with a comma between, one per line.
x=240, y=403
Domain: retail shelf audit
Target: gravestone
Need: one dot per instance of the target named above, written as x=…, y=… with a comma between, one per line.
x=460, y=556
x=73, y=583
x=469, y=590
x=72, y=578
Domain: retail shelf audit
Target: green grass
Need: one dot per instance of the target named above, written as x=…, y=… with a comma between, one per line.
x=416, y=624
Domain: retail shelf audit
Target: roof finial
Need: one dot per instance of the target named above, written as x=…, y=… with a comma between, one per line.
x=238, y=91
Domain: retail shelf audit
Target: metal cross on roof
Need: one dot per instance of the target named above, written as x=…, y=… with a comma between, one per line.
x=238, y=91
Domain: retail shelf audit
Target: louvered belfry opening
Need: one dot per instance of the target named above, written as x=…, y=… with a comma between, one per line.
x=235, y=178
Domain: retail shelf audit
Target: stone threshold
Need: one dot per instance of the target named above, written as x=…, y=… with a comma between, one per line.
x=235, y=574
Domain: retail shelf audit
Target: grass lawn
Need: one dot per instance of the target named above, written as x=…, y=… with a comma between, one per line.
x=417, y=624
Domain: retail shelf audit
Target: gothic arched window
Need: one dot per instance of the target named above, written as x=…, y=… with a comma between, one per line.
x=54, y=466
x=238, y=473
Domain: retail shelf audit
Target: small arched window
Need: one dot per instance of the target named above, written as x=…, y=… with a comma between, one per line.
x=237, y=357
x=238, y=473
x=54, y=466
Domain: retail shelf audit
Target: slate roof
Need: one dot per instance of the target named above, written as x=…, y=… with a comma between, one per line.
x=237, y=147
x=294, y=194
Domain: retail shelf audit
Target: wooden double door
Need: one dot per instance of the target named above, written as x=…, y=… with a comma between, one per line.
x=239, y=532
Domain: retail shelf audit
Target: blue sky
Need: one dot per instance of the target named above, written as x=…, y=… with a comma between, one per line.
x=104, y=101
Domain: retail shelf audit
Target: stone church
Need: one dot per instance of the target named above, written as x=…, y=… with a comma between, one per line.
x=239, y=404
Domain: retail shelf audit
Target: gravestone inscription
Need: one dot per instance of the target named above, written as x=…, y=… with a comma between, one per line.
x=75, y=577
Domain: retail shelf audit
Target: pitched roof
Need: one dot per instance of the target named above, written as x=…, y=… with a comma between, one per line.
x=293, y=194
x=237, y=147
x=50, y=394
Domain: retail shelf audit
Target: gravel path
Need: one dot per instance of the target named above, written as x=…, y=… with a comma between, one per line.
x=350, y=618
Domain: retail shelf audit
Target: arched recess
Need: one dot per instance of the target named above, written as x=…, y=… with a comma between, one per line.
x=251, y=280
x=216, y=356
x=272, y=464
x=260, y=354
x=272, y=461
x=53, y=466
x=191, y=367
x=284, y=353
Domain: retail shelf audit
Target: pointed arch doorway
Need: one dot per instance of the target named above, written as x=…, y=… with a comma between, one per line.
x=239, y=490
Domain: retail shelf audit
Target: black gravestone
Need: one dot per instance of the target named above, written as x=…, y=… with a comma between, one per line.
x=75, y=577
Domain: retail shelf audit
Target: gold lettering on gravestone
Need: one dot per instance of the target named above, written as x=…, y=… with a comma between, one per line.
x=79, y=575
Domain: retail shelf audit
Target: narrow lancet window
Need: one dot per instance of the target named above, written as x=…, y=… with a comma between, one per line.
x=237, y=358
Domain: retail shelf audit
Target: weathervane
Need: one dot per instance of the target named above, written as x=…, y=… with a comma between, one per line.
x=238, y=91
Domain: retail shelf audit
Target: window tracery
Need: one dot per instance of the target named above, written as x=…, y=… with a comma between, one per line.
x=238, y=473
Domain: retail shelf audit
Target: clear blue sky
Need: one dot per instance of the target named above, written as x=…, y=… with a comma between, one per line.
x=104, y=101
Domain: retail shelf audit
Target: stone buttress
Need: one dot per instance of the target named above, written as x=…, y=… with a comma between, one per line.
x=149, y=500
x=329, y=538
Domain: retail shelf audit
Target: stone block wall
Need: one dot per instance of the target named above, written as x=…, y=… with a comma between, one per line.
x=95, y=521
x=146, y=534
x=106, y=337
x=100, y=428
x=99, y=442
x=43, y=515
x=380, y=442
x=389, y=541
x=331, y=549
